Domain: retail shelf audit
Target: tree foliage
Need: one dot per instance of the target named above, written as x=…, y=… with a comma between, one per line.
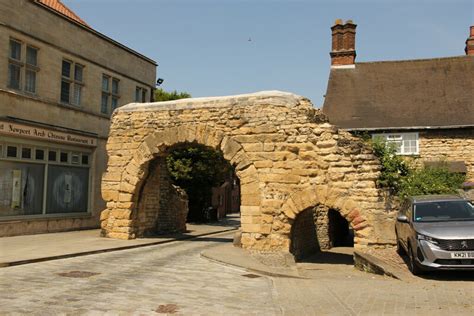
x=162, y=95
x=394, y=168
x=197, y=168
x=430, y=180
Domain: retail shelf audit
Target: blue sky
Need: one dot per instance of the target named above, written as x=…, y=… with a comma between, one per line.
x=203, y=47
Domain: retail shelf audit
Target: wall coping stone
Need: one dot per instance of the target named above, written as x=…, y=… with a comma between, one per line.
x=274, y=97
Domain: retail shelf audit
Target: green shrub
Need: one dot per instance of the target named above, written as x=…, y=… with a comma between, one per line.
x=430, y=180
x=404, y=180
x=394, y=168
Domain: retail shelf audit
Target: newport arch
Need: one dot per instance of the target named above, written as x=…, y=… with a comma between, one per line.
x=286, y=155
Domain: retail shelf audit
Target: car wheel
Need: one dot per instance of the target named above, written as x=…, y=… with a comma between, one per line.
x=412, y=264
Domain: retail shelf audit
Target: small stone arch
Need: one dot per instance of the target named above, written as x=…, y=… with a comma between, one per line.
x=331, y=199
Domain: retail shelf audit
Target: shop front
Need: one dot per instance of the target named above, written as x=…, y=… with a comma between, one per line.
x=45, y=171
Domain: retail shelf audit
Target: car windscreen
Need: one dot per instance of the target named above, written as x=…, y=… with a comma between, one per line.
x=443, y=211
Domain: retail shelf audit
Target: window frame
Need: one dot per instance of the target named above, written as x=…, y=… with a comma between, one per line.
x=33, y=146
x=74, y=84
x=25, y=68
x=109, y=94
x=404, y=139
x=141, y=94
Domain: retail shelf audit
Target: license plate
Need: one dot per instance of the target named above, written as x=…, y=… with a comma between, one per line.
x=462, y=255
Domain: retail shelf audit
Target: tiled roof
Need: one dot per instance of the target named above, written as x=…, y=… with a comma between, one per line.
x=396, y=94
x=58, y=6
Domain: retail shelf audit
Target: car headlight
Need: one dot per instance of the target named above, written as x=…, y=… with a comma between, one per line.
x=428, y=239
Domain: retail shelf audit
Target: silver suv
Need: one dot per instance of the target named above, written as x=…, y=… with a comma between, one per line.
x=437, y=232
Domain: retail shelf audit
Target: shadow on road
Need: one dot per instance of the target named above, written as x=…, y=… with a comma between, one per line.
x=212, y=239
x=333, y=256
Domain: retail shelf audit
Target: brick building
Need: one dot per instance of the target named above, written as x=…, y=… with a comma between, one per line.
x=425, y=107
x=60, y=81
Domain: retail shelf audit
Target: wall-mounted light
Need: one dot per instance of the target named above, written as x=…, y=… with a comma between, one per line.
x=159, y=81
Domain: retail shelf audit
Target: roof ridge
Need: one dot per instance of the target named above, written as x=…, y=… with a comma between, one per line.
x=412, y=60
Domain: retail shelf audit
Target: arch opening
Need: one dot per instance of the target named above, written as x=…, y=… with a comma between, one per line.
x=319, y=229
x=303, y=235
x=186, y=183
x=339, y=230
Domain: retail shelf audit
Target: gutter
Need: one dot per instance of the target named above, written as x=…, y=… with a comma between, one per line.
x=361, y=129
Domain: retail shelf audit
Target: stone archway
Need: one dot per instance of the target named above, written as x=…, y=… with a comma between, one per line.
x=335, y=200
x=286, y=156
x=122, y=222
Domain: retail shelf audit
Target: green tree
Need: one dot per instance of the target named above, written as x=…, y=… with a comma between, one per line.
x=197, y=168
x=162, y=95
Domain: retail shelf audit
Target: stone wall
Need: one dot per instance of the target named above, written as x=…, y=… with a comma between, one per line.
x=322, y=227
x=286, y=155
x=162, y=207
x=452, y=144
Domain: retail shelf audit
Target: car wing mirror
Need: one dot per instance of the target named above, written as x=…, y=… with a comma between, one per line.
x=402, y=218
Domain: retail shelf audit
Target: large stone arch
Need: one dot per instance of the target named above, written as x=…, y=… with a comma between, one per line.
x=121, y=220
x=286, y=155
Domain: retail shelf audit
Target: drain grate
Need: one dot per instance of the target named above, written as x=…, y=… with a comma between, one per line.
x=78, y=274
x=251, y=276
x=167, y=309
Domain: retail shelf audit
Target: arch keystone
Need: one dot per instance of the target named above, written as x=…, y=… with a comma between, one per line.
x=230, y=148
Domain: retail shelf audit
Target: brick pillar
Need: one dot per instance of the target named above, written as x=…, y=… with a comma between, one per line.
x=343, y=43
x=470, y=43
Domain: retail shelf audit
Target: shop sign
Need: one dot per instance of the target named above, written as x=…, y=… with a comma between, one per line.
x=45, y=134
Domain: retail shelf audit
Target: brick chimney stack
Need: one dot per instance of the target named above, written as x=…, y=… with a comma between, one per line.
x=343, y=43
x=470, y=43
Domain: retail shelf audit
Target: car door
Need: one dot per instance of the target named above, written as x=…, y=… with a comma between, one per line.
x=408, y=227
x=404, y=227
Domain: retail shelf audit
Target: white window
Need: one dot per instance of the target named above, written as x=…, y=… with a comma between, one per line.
x=404, y=143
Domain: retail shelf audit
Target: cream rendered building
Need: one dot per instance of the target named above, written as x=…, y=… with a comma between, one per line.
x=60, y=81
